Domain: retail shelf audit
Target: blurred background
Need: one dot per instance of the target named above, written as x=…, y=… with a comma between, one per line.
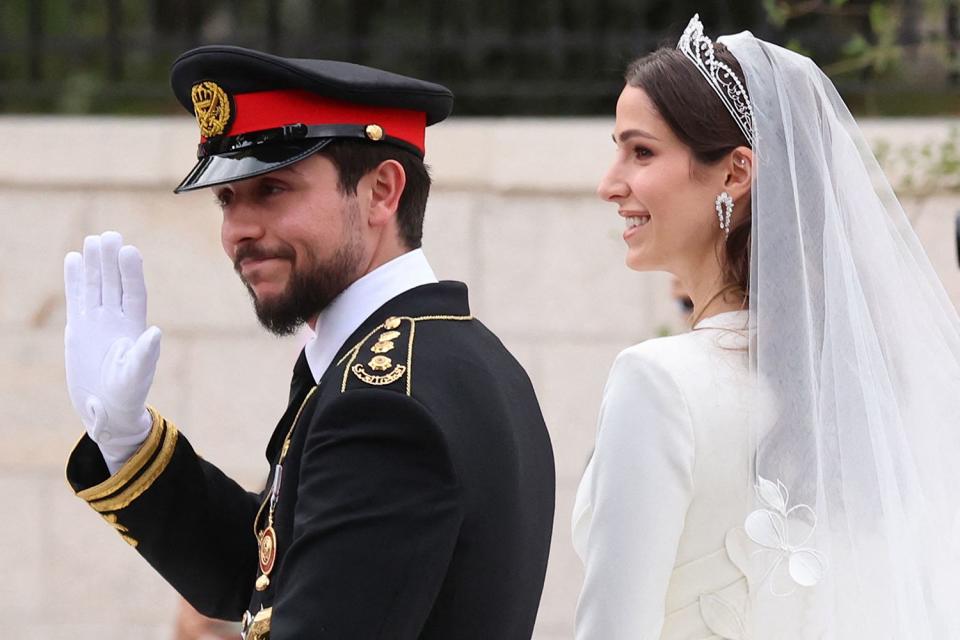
x=539, y=57
x=91, y=138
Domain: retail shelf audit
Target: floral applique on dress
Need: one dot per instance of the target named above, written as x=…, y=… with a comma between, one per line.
x=784, y=534
x=773, y=550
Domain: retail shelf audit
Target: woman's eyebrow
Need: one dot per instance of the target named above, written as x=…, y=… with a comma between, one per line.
x=631, y=133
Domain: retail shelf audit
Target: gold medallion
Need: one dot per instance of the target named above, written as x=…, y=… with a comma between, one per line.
x=268, y=550
x=380, y=363
x=211, y=105
x=382, y=347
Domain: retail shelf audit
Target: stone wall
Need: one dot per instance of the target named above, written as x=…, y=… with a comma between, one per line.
x=512, y=213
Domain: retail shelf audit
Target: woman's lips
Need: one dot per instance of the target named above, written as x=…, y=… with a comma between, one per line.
x=634, y=222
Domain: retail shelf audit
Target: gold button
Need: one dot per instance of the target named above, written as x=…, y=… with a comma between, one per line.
x=374, y=132
x=392, y=322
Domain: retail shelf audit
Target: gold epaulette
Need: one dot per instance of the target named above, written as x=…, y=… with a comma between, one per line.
x=136, y=476
x=384, y=358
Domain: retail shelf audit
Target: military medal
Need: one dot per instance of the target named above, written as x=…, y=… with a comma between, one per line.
x=268, y=550
x=267, y=539
x=267, y=555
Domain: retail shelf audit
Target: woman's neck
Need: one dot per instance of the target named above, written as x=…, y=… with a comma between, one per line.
x=709, y=293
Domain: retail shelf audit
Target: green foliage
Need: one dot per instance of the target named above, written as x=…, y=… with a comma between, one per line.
x=537, y=57
x=856, y=47
x=778, y=12
x=922, y=169
x=794, y=44
x=878, y=51
x=885, y=55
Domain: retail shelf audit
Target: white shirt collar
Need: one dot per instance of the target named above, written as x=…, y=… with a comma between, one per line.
x=358, y=301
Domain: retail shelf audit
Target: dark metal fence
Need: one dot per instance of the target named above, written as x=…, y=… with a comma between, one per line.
x=544, y=57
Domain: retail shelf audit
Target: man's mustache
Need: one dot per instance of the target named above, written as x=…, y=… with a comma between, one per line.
x=255, y=251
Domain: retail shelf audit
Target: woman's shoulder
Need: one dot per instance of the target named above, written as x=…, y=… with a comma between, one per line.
x=668, y=354
x=657, y=348
x=689, y=360
x=653, y=370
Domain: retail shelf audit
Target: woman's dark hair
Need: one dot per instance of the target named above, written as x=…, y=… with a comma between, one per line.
x=356, y=158
x=696, y=115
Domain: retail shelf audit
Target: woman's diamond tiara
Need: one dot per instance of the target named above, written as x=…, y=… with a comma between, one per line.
x=699, y=49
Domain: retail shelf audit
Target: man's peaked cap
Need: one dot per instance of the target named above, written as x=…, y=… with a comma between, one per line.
x=259, y=112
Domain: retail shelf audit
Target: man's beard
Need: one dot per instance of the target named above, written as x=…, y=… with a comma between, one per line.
x=311, y=290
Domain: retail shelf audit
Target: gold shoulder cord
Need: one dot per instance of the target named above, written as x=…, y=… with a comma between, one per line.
x=267, y=539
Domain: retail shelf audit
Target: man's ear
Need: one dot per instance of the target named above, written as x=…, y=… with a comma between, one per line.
x=386, y=183
x=739, y=172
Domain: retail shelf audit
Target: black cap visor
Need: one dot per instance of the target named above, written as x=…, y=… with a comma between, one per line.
x=249, y=162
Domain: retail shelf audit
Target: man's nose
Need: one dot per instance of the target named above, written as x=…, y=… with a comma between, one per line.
x=241, y=223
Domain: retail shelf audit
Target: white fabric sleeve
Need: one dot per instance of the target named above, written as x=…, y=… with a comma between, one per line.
x=642, y=487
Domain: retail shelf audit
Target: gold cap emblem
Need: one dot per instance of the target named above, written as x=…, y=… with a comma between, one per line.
x=211, y=105
x=374, y=132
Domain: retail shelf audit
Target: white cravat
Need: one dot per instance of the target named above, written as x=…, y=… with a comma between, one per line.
x=359, y=300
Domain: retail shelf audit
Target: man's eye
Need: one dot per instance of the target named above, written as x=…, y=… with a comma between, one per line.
x=221, y=199
x=271, y=189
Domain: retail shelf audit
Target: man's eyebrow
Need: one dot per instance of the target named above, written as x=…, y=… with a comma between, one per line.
x=631, y=133
x=288, y=169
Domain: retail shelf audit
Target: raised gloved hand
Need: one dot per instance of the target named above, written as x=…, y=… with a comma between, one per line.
x=110, y=356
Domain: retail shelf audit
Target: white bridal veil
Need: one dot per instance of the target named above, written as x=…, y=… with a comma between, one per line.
x=855, y=349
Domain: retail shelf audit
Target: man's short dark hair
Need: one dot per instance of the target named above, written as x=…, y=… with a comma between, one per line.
x=356, y=158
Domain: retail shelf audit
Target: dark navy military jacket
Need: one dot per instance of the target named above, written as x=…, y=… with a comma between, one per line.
x=416, y=498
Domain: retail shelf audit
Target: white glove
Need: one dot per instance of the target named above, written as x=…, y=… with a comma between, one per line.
x=110, y=357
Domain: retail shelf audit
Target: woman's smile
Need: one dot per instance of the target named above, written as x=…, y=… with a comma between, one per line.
x=634, y=220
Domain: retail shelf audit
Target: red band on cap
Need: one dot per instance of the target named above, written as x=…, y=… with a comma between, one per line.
x=271, y=109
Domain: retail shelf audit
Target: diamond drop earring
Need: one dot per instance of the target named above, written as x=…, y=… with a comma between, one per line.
x=724, y=207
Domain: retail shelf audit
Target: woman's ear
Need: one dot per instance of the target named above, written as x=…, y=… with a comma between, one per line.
x=739, y=172
x=387, y=182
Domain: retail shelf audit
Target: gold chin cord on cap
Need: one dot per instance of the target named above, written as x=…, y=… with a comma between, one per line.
x=267, y=538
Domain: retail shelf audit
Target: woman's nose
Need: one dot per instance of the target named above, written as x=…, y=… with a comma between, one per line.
x=612, y=185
